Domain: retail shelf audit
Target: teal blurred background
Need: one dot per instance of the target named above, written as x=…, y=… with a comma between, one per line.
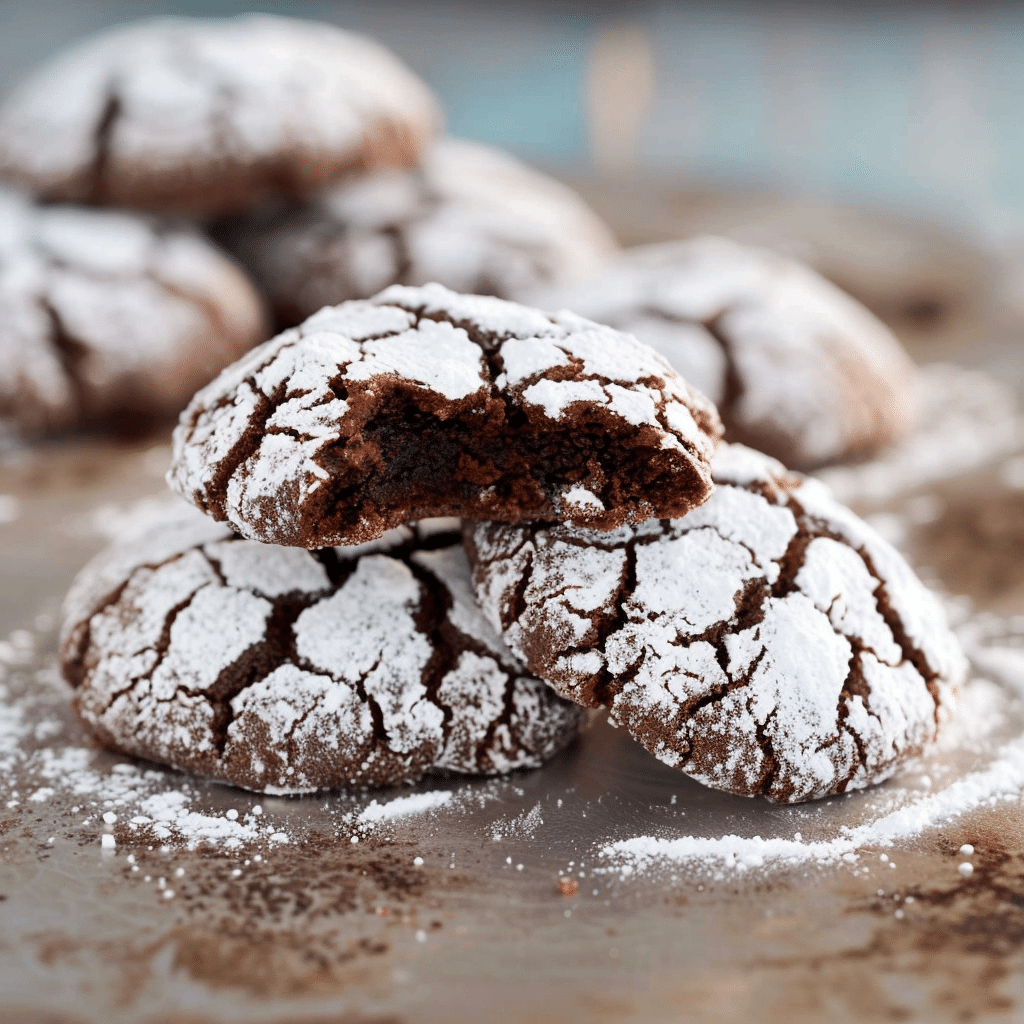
x=911, y=107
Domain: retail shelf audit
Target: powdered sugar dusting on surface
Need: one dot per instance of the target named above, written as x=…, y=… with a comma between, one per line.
x=1000, y=779
x=401, y=806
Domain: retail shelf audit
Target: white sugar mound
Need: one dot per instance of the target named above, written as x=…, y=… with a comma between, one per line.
x=403, y=806
x=1003, y=779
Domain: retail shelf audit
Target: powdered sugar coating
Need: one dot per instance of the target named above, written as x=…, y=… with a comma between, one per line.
x=421, y=402
x=768, y=643
x=202, y=116
x=106, y=315
x=797, y=368
x=283, y=670
x=470, y=217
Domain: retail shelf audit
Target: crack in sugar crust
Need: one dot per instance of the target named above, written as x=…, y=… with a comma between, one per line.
x=469, y=217
x=769, y=643
x=200, y=116
x=797, y=368
x=423, y=403
x=284, y=670
x=105, y=317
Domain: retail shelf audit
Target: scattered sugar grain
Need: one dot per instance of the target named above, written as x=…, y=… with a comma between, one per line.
x=107, y=841
x=966, y=850
x=966, y=869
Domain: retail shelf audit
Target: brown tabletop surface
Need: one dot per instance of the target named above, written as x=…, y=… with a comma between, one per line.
x=454, y=912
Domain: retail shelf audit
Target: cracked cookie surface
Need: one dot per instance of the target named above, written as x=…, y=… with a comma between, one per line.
x=471, y=218
x=287, y=671
x=422, y=402
x=797, y=368
x=107, y=318
x=769, y=643
x=203, y=116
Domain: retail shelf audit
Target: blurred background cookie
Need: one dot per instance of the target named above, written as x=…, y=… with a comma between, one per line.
x=202, y=116
x=108, y=319
x=797, y=368
x=930, y=283
x=471, y=217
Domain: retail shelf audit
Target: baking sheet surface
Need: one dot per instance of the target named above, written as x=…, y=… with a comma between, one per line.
x=454, y=911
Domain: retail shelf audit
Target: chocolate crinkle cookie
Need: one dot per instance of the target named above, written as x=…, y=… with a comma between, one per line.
x=797, y=368
x=110, y=319
x=204, y=116
x=423, y=403
x=769, y=643
x=471, y=218
x=288, y=671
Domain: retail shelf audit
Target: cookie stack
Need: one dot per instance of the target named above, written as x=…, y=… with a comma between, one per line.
x=736, y=620
x=309, y=152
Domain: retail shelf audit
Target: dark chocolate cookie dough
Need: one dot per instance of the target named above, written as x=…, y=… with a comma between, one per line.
x=287, y=671
x=422, y=403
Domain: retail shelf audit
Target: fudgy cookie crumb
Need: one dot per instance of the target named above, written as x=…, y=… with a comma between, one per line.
x=423, y=403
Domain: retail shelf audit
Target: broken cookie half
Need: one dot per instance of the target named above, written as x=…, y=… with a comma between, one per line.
x=288, y=671
x=769, y=643
x=422, y=402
